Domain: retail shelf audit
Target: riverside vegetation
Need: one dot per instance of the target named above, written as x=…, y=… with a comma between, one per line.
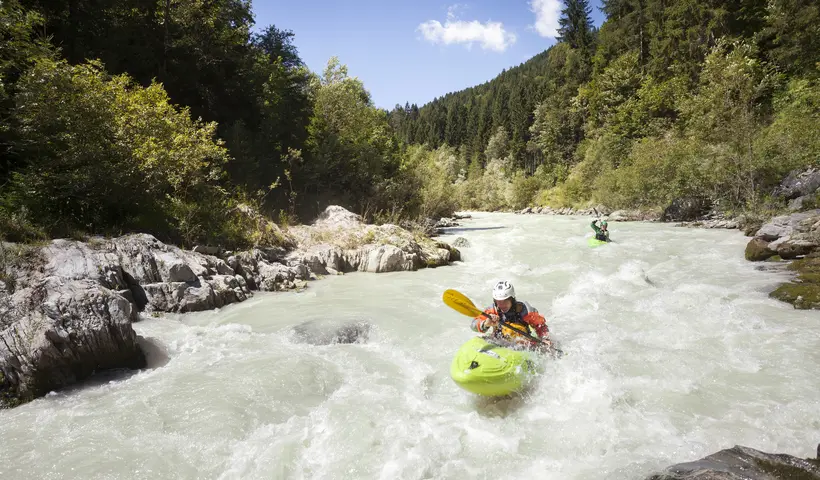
x=177, y=121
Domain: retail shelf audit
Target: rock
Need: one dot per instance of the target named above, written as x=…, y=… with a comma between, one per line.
x=743, y=463
x=804, y=292
x=685, y=209
x=799, y=183
x=803, y=203
x=631, y=216
x=787, y=225
x=526, y=210
x=788, y=248
x=320, y=258
x=335, y=216
x=461, y=242
x=62, y=332
x=315, y=333
x=446, y=223
x=758, y=249
x=207, y=250
x=367, y=248
x=386, y=258
x=749, y=224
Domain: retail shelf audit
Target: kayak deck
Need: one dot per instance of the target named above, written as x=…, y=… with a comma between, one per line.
x=484, y=368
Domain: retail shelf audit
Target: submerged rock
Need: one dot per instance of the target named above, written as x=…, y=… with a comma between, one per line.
x=743, y=463
x=461, y=242
x=313, y=333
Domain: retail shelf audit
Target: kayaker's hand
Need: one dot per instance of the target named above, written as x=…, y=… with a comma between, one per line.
x=491, y=322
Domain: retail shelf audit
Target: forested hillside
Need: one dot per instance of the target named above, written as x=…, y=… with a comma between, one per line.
x=175, y=118
x=668, y=98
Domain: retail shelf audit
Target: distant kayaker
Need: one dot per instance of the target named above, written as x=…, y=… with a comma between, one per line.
x=601, y=233
x=521, y=315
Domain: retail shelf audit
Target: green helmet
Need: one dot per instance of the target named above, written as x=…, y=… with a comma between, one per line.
x=603, y=223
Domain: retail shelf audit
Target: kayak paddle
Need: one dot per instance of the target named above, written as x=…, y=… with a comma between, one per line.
x=463, y=305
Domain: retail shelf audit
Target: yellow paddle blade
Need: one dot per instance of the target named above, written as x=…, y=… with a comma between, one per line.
x=460, y=303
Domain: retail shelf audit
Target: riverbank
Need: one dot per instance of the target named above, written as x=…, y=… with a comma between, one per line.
x=790, y=241
x=66, y=307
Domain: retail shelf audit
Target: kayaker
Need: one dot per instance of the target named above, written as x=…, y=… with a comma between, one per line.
x=519, y=314
x=602, y=232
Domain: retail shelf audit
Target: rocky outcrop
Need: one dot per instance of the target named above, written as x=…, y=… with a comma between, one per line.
x=789, y=236
x=686, y=209
x=66, y=307
x=744, y=463
x=55, y=331
x=339, y=242
x=799, y=183
x=795, y=236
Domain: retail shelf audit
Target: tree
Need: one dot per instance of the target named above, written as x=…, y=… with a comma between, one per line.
x=576, y=25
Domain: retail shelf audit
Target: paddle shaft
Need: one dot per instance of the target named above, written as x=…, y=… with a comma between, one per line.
x=512, y=327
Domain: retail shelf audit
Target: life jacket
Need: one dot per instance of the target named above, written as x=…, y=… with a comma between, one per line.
x=521, y=316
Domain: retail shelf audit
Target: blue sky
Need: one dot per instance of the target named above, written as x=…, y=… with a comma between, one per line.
x=416, y=50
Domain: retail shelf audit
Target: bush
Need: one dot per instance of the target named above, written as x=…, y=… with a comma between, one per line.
x=106, y=156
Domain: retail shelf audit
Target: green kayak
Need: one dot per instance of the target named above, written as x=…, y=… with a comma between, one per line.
x=594, y=242
x=491, y=370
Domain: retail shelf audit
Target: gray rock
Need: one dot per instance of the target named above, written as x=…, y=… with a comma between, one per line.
x=335, y=216
x=742, y=463
x=685, y=209
x=758, y=250
x=314, y=333
x=799, y=183
x=787, y=225
x=386, y=258
x=64, y=331
x=207, y=250
x=461, y=242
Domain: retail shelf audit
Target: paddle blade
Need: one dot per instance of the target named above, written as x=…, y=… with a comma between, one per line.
x=460, y=303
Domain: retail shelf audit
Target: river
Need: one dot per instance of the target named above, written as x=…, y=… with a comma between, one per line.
x=674, y=351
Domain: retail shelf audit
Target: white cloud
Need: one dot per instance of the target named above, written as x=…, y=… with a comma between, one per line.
x=547, y=13
x=491, y=35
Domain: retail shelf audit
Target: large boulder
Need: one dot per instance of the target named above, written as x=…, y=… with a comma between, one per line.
x=798, y=183
x=788, y=225
x=59, y=332
x=758, y=250
x=743, y=463
x=66, y=308
x=686, y=209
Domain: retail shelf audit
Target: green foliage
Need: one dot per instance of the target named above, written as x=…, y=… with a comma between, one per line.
x=353, y=151
x=105, y=156
x=576, y=25
x=792, y=35
x=791, y=140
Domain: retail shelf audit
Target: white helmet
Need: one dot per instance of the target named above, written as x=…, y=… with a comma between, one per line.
x=503, y=290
